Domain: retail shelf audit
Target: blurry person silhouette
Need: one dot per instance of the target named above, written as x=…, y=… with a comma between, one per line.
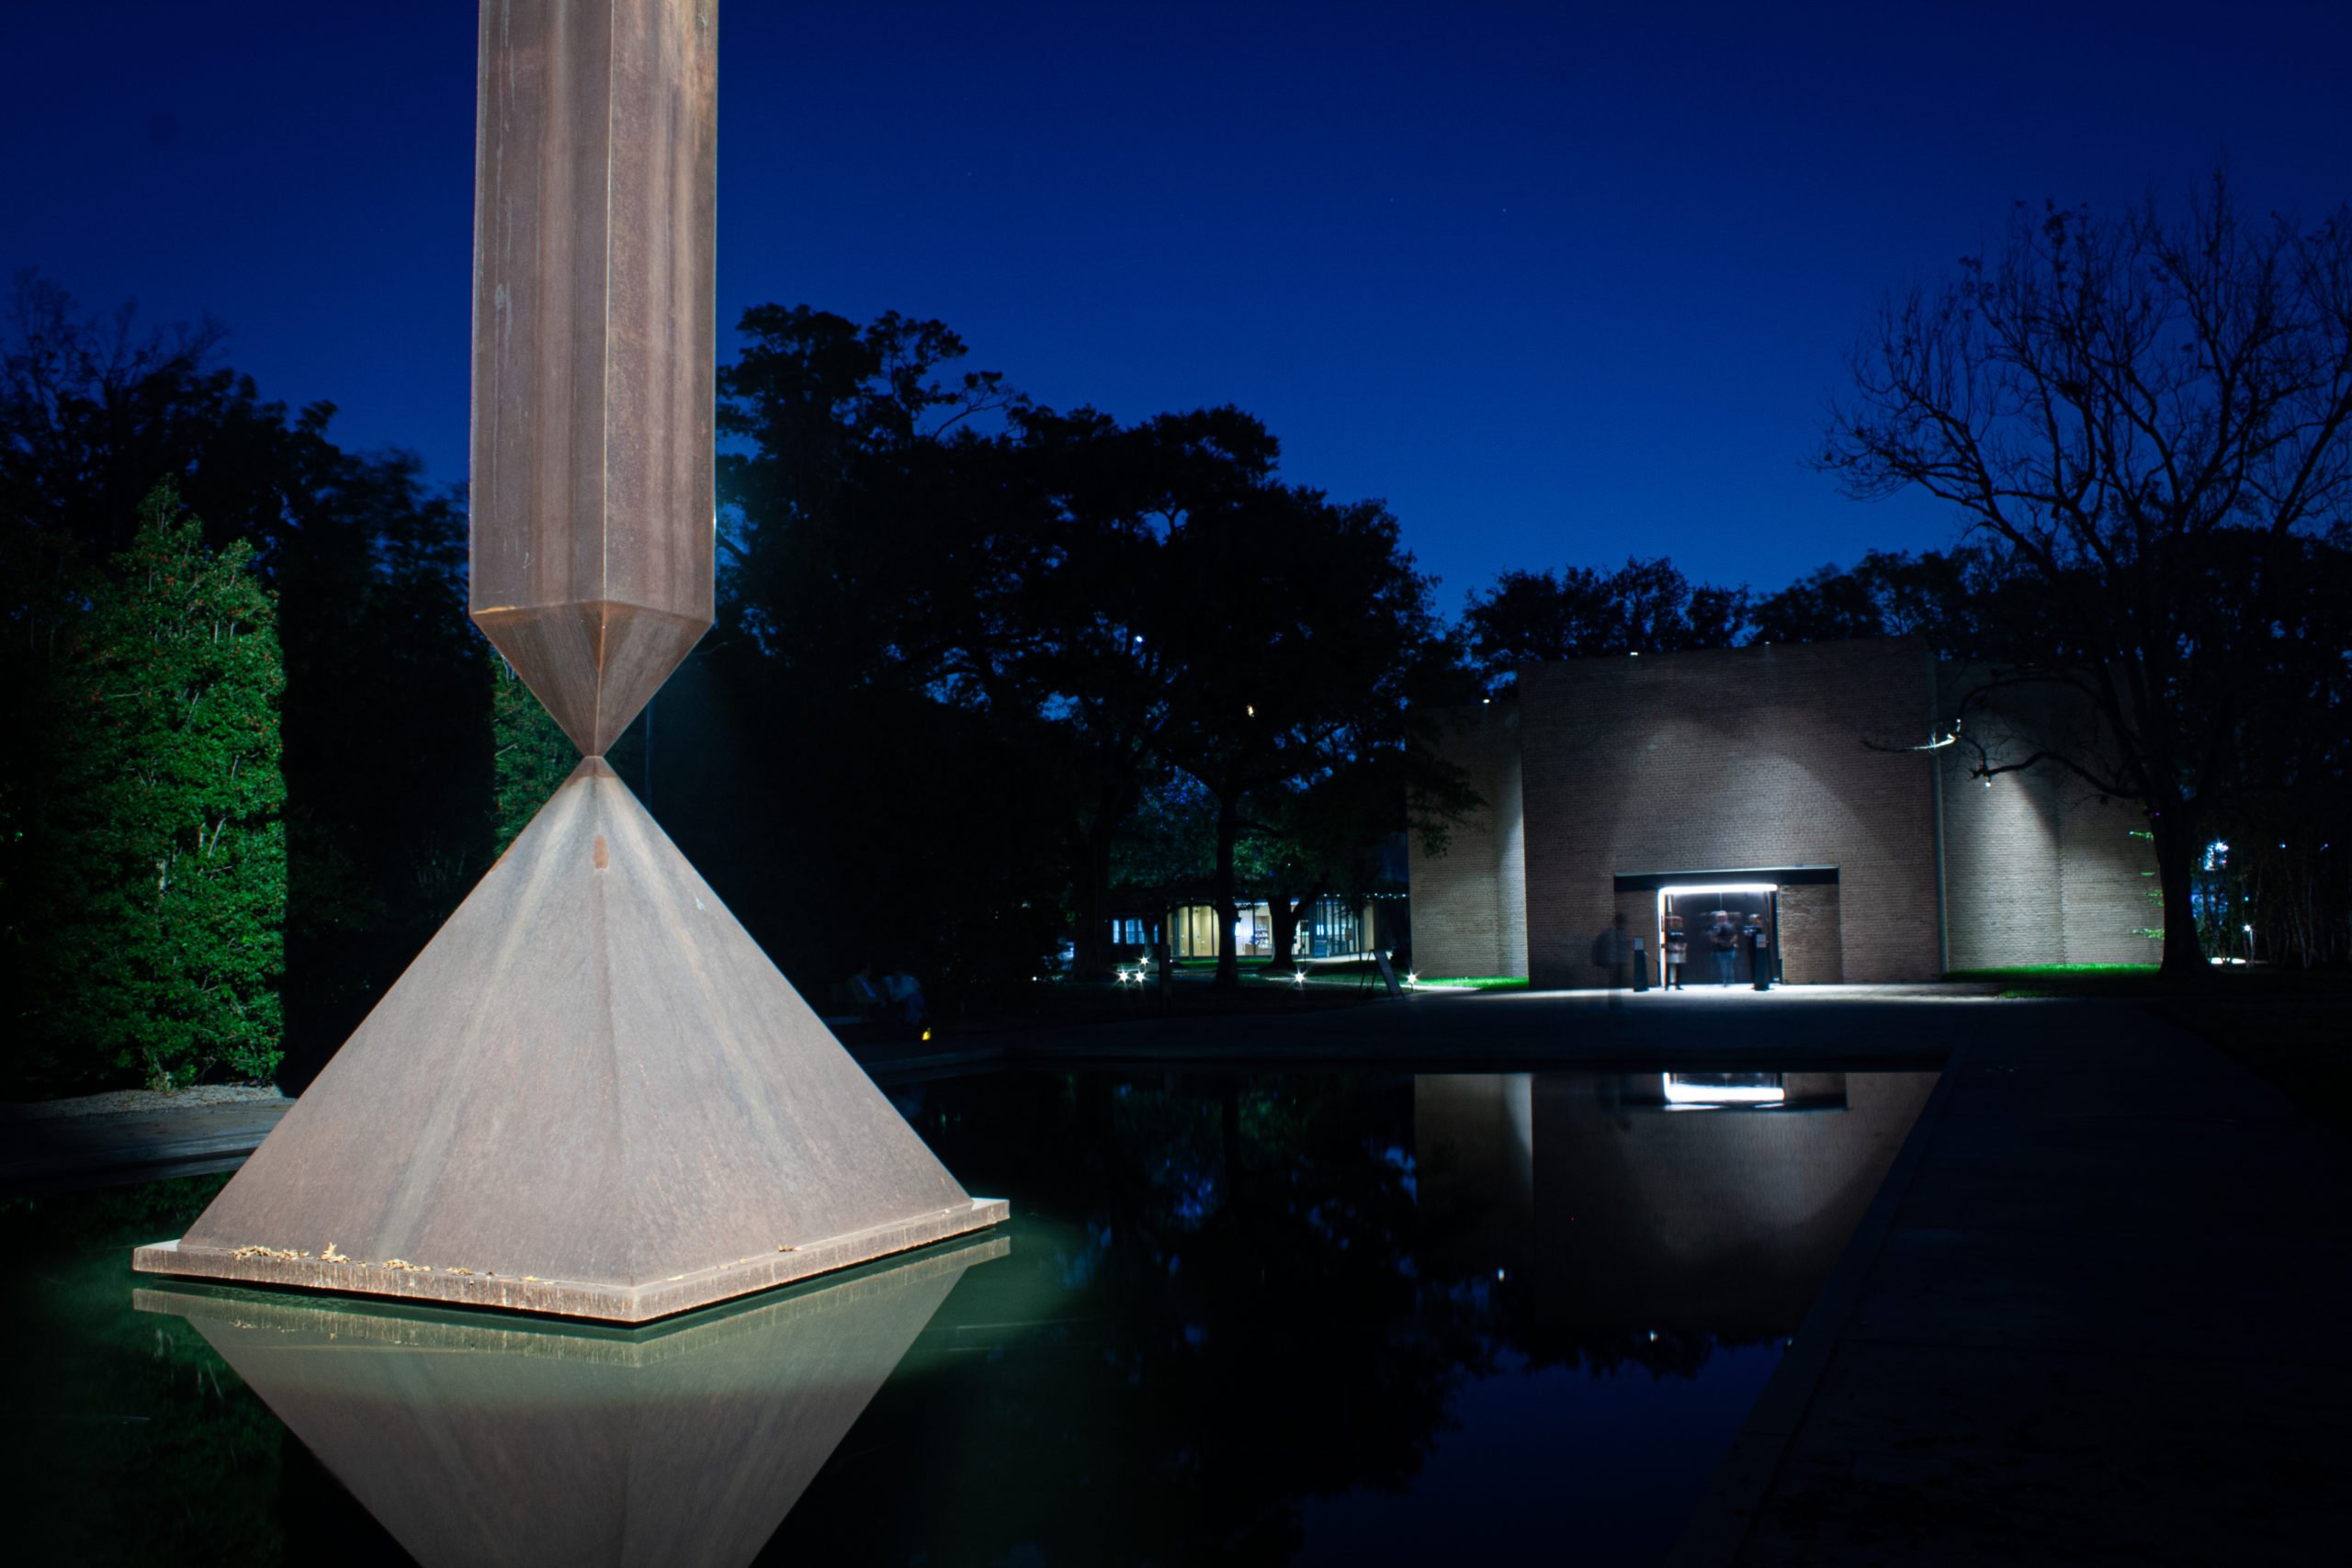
x=1723, y=937
x=905, y=993
x=1678, y=952
x=1758, y=942
x=1612, y=950
x=872, y=1005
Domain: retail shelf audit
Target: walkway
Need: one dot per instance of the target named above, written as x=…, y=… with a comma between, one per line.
x=44, y=1152
x=2094, y=1313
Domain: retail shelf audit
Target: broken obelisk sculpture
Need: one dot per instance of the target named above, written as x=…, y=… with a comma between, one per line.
x=591, y=1094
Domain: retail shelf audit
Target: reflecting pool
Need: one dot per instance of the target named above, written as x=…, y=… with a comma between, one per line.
x=1284, y=1318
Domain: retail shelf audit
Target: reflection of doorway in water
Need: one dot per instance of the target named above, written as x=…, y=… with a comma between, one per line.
x=1697, y=907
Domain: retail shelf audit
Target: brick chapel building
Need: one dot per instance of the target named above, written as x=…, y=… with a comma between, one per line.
x=1797, y=787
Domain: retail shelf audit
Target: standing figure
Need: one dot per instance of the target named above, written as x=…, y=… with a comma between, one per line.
x=872, y=1005
x=1611, y=949
x=906, y=996
x=1614, y=952
x=1723, y=937
x=1678, y=952
x=1758, y=938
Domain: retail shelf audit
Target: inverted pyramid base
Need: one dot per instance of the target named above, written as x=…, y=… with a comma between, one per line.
x=566, y=1298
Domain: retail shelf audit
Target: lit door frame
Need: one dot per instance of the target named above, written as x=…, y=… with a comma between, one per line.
x=1772, y=890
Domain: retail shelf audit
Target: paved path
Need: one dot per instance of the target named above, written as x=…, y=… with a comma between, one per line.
x=46, y=1153
x=2096, y=1314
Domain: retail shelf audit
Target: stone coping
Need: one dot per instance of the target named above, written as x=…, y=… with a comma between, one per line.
x=402, y=1325
x=603, y=1301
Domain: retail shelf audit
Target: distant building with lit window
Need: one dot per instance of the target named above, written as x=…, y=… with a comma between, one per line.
x=1333, y=926
x=1797, y=788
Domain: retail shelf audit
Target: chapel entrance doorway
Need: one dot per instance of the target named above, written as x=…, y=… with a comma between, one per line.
x=1725, y=933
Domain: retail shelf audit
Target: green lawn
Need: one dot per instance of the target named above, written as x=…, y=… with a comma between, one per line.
x=2022, y=971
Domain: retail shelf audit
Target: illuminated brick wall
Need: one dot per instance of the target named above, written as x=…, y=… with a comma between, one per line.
x=2040, y=869
x=1470, y=903
x=1812, y=944
x=1743, y=757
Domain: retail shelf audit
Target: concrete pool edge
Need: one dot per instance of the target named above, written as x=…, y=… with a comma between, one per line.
x=1720, y=1527
x=626, y=1303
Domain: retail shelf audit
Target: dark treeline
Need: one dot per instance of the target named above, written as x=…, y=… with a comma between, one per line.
x=982, y=669
x=974, y=655
x=987, y=674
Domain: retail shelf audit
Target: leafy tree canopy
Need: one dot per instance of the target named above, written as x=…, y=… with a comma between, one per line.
x=159, y=908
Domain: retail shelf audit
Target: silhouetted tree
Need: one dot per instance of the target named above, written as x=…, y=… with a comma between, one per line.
x=1644, y=606
x=2148, y=419
x=1888, y=594
x=1114, y=655
x=829, y=565
x=874, y=536
x=1057, y=595
x=1310, y=651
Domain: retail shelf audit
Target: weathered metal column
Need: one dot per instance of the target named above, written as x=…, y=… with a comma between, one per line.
x=594, y=327
x=592, y=1093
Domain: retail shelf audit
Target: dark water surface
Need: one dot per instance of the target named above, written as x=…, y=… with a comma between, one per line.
x=1339, y=1317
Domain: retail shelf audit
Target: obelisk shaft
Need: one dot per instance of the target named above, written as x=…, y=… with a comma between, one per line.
x=594, y=335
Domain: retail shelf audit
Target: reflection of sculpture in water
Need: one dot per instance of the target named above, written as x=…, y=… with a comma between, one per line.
x=1711, y=1203
x=478, y=1441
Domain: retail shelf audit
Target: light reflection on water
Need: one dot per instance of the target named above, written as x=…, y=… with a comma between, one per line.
x=1331, y=1317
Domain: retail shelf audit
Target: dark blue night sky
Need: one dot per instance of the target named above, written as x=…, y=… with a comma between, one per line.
x=1561, y=282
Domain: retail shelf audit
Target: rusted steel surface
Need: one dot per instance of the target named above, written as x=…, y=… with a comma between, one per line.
x=476, y=1442
x=594, y=335
x=593, y=1094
